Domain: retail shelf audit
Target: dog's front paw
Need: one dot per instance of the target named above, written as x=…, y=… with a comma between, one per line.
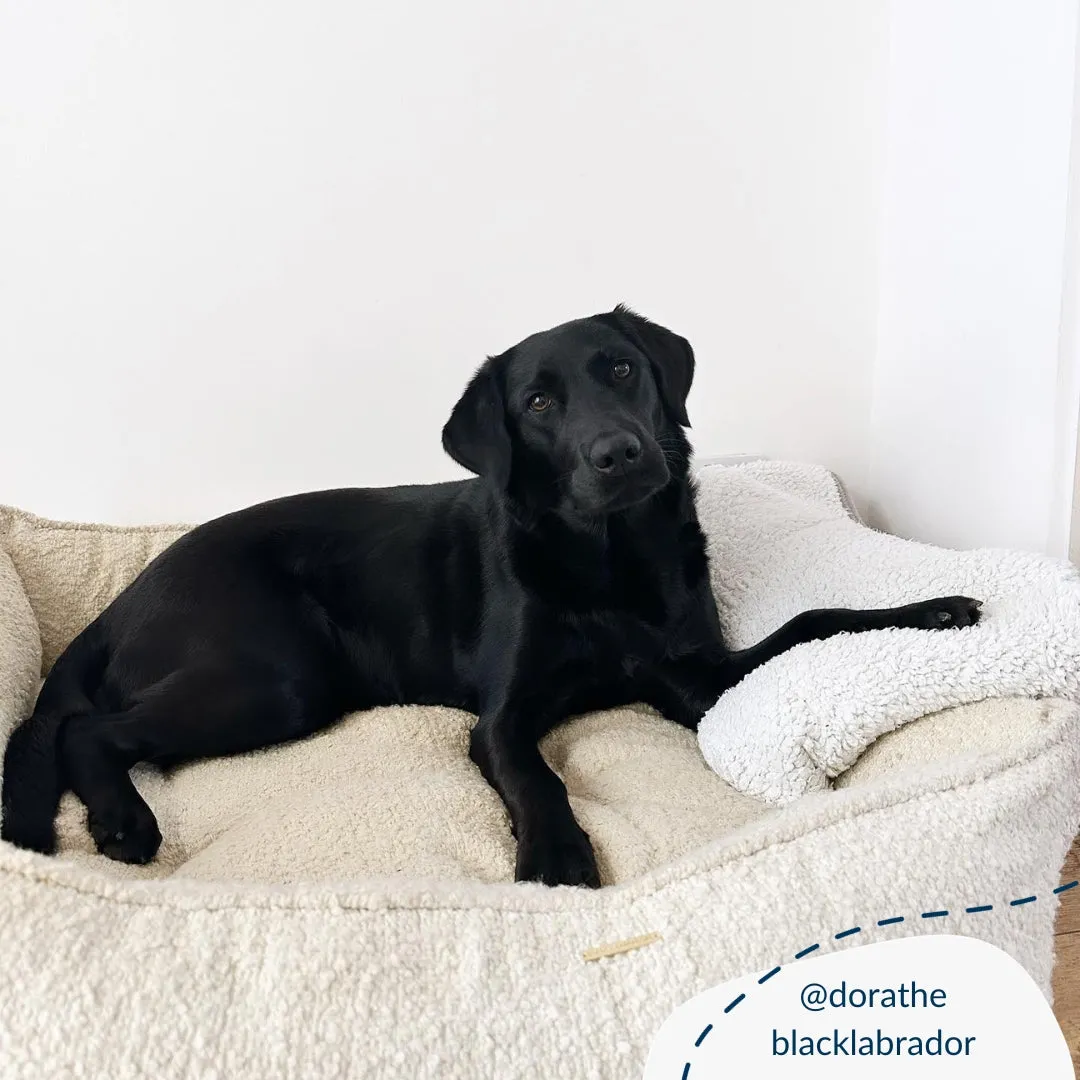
x=560, y=856
x=945, y=613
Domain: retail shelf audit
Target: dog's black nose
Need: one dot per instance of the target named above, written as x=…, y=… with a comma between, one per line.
x=615, y=453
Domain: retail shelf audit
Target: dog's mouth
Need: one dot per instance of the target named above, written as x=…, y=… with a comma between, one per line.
x=597, y=494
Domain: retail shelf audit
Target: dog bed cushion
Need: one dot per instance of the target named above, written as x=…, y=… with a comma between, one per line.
x=342, y=905
x=781, y=542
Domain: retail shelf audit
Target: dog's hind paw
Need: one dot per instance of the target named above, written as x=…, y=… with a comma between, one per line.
x=127, y=832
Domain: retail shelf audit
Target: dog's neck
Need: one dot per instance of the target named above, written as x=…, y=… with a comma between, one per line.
x=580, y=562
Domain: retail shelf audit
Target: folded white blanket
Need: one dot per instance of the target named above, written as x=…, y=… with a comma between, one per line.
x=780, y=542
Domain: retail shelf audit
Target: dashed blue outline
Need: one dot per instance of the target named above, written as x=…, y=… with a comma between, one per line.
x=1019, y=902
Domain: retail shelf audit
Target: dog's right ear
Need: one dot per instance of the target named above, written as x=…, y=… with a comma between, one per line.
x=475, y=436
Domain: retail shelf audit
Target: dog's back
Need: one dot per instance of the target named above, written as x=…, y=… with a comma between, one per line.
x=348, y=599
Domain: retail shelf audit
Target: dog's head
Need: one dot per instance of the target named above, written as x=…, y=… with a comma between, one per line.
x=584, y=419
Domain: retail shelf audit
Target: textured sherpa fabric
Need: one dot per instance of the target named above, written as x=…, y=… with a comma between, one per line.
x=781, y=542
x=20, y=649
x=455, y=979
x=392, y=791
x=342, y=906
x=72, y=571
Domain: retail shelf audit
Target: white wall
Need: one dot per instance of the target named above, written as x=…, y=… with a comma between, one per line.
x=251, y=249
x=977, y=384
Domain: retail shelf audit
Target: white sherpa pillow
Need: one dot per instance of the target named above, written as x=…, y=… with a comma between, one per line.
x=781, y=542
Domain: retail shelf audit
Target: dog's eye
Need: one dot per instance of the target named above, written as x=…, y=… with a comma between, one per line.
x=620, y=369
x=540, y=402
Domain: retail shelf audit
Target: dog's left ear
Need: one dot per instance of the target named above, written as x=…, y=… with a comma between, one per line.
x=475, y=436
x=671, y=357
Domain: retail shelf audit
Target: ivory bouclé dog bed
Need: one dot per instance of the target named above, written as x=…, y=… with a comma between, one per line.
x=305, y=917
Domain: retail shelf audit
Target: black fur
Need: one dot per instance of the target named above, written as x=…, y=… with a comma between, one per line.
x=571, y=576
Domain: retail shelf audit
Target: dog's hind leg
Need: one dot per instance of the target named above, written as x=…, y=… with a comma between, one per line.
x=193, y=713
x=33, y=774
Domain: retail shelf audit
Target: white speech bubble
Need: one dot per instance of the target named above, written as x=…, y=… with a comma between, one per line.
x=987, y=1019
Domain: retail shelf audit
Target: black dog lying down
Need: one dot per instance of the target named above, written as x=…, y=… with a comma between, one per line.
x=571, y=576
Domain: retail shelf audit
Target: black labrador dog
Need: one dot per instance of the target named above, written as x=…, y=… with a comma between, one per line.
x=572, y=575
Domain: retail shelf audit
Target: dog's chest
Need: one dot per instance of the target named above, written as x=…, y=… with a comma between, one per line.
x=612, y=644
x=605, y=614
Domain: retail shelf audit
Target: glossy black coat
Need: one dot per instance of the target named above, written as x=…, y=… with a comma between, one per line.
x=571, y=575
